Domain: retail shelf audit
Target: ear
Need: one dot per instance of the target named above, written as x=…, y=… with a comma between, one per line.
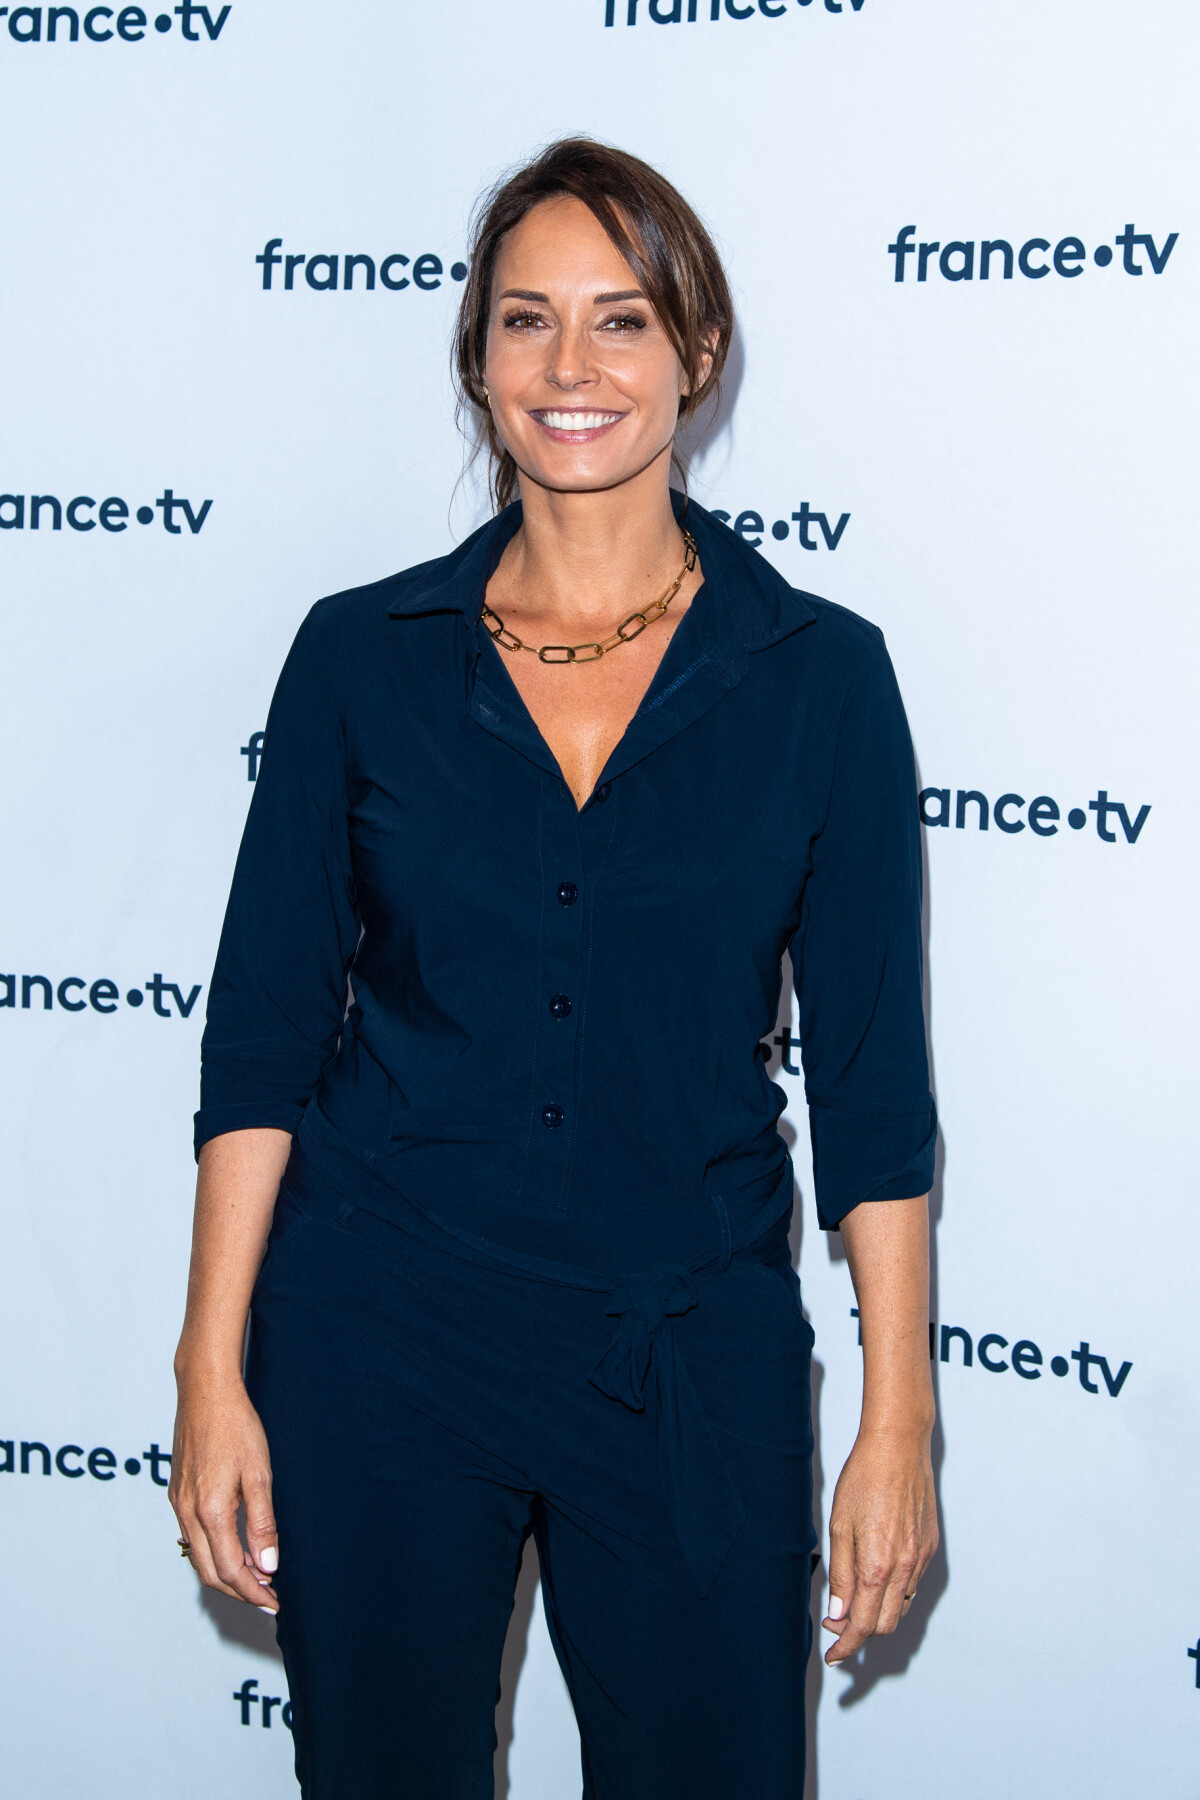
x=706, y=363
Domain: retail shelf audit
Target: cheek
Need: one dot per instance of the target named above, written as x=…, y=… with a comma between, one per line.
x=512, y=387
x=651, y=379
x=508, y=361
x=497, y=364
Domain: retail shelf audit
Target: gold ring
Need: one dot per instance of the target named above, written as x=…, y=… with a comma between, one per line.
x=185, y=1549
x=911, y=1596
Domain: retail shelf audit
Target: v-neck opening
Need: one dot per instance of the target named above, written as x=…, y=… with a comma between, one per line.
x=651, y=698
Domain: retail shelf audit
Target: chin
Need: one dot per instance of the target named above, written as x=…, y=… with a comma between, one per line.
x=569, y=478
x=581, y=473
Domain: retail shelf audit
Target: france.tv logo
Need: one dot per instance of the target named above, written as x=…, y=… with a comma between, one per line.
x=997, y=258
x=83, y=512
x=30, y=1456
x=75, y=994
x=358, y=270
x=108, y=24
x=970, y=808
x=1024, y=1357
x=679, y=12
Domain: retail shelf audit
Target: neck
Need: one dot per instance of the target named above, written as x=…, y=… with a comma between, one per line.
x=582, y=554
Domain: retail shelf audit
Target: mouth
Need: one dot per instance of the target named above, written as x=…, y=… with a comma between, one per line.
x=578, y=426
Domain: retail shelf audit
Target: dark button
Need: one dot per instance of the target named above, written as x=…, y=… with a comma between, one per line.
x=602, y=793
x=560, y=1006
x=552, y=1116
x=568, y=893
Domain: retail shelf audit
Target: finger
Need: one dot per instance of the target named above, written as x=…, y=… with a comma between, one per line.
x=199, y=1553
x=837, y=1617
x=897, y=1589
x=927, y=1553
x=266, y=1590
x=870, y=1585
x=841, y=1579
x=262, y=1538
x=218, y=1522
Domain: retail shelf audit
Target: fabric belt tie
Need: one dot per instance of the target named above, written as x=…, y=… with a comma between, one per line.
x=704, y=1505
x=641, y=1362
x=643, y=1303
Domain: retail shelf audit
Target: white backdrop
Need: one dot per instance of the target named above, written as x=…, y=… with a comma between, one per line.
x=1017, y=460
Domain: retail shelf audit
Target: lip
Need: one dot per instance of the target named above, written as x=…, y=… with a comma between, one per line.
x=587, y=422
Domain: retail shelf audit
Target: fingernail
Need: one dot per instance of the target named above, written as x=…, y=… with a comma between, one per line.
x=269, y=1560
x=263, y=1580
x=835, y=1607
x=269, y=1610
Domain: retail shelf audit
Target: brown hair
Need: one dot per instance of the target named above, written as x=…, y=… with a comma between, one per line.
x=656, y=231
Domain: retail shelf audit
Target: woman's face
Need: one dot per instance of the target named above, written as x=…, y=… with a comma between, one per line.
x=584, y=382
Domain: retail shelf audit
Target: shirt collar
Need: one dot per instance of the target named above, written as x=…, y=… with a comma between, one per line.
x=747, y=606
x=454, y=583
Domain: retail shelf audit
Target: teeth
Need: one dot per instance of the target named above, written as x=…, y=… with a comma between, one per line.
x=578, y=421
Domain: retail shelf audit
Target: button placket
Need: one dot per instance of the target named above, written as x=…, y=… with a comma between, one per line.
x=556, y=997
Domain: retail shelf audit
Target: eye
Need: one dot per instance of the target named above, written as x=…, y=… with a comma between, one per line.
x=623, y=323
x=522, y=321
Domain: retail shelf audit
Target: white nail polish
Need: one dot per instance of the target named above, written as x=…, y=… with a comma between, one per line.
x=269, y=1560
x=269, y=1610
x=835, y=1607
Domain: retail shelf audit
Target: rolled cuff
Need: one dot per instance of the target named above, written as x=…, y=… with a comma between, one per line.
x=244, y=1115
x=869, y=1153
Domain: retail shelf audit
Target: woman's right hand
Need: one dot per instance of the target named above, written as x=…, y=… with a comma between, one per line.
x=220, y=1461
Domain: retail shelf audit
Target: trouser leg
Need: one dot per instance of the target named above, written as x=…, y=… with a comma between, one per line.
x=681, y=1696
x=399, y=1544
x=678, y=1697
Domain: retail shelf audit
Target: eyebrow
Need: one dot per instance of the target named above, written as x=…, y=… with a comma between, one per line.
x=600, y=299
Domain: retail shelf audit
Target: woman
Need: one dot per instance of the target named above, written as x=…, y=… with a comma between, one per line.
x=482, y=1075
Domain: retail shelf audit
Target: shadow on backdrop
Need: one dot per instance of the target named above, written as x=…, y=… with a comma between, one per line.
x=707, y=438
x=238, y=1623
x=515, y=1646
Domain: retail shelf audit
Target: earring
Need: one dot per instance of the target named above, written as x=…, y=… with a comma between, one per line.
x=487, y=396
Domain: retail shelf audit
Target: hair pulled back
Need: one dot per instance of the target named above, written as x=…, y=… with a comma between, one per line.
x=655, y=230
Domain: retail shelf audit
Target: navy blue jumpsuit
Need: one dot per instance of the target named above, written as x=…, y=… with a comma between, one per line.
x=528, y=1269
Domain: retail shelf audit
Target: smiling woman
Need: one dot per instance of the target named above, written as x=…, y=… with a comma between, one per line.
x=596, y=316
x=640, y=224
x=597, y=769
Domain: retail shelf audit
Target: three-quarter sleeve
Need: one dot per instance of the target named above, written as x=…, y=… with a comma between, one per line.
x=277, y=999
x=857, y=961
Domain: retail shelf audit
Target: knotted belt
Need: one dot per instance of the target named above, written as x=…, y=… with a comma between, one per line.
x=641, y=1364
x=705, y=1507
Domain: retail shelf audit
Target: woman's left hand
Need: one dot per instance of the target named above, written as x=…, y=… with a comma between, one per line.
x=882, y=1536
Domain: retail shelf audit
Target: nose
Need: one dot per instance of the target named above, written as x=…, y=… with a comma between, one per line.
x=570, y=360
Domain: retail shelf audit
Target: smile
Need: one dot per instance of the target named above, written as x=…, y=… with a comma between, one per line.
x=575, y=426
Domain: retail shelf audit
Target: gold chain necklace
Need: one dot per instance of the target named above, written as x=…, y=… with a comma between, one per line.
x=627, y=630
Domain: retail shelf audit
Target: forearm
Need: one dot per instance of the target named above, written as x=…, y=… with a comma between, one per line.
x=883, y=1524
x=236, y=1187
x=887, y=1247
